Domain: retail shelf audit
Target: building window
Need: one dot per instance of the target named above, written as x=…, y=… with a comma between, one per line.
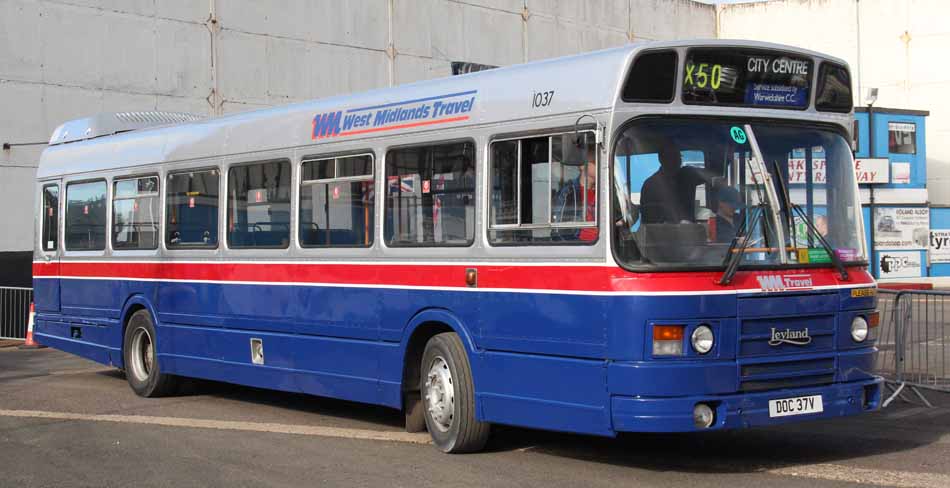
x=191, y=206
x=50, y=217
x=902, y=138
x=86, y=216
x=259, y=205
x=539, y=194
x=337, y=202
x=430, y=195
x=135, y=213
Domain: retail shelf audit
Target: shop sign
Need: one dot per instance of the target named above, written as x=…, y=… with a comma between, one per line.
x=939, y=246
x=901, y=228
x=899, y=264
x=900, y=173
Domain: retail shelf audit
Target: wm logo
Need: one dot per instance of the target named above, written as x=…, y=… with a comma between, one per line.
x=771, y=282
x=326, y=125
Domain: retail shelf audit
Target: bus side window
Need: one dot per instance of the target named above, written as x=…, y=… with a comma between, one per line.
x=259, y=205
x=538, y=198
x=135, y=213
x=191, y=209
x=86, y=216
x=430, y=195
x=337, y=202
x=50, y=218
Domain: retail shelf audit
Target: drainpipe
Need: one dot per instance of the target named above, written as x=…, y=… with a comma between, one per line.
x=718, y=21
x=871, y=257
x=214, y=98
x=391, y=48
x=857, y=23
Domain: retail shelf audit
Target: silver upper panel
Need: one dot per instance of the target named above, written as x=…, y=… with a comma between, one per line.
x=111, y=123
x=582, y=84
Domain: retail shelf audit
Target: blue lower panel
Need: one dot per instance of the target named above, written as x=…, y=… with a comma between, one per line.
x=94, y=341
x=88, y=350
x=672, y=378
x=544, y=392
x=741, y=410
x=856, y=365
x=338, y=368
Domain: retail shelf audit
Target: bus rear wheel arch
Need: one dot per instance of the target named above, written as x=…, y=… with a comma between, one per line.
x=140, y=358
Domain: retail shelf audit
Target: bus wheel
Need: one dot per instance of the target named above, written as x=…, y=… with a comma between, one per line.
x=448, y=396
x=141, y=358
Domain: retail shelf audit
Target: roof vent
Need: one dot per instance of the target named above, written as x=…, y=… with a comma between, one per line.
x=107, y=124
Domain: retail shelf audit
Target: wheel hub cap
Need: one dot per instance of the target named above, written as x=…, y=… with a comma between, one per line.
x=142, y=355
x=440, y=394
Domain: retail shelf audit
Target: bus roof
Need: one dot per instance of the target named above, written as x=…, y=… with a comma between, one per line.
x=581, y=83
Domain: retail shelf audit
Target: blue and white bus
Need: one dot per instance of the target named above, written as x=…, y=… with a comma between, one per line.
x=661, y=237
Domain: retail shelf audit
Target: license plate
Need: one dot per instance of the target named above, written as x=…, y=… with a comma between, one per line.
x=795, y=406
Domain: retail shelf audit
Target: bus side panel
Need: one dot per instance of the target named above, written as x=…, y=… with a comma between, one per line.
x=540, y=323
x=235, y=306
x=400, y=306
x=338, y=311
x=544, y=392
x=93, y=298
x=46, y=291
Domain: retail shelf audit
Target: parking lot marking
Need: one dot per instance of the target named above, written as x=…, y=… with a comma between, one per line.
x=865, y=476
x=340, y=432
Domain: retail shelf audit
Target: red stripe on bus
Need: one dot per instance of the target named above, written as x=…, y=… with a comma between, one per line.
x=552, y=278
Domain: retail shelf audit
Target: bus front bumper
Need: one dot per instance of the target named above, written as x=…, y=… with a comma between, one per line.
x=733, y=411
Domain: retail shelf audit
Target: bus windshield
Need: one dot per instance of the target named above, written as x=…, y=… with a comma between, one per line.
x=691, y=193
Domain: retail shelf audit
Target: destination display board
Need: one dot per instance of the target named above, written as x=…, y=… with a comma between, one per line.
x=752, y=78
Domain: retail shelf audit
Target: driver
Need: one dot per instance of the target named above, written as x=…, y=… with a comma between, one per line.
x=668, y=196
x=728, y=203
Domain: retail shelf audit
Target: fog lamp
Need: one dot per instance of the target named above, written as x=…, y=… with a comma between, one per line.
x=859, y=329
x=703, y=416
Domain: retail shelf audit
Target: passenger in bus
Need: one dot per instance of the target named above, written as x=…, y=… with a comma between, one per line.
x=570, y=205
x=728, y=203
x=668, y=196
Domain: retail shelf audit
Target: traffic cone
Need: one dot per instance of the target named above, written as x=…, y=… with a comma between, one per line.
x=30, y=343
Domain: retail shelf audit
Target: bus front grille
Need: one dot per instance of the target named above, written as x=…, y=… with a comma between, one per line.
x=777, y=374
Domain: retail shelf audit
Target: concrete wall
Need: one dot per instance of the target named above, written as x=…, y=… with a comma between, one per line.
x=902, y=53
x=64, y=59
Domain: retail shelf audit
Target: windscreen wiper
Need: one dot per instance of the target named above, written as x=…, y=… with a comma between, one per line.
x=787, y=201
x=734, y=255
x=790, y=210
x=824, y=243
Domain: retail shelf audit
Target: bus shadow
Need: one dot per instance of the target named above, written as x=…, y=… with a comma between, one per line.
x=741, y=451
x=323, y=406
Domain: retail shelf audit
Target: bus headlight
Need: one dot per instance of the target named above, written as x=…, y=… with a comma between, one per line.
x=859, y=329
x=702, y=339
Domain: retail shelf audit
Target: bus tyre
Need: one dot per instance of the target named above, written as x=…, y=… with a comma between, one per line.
x=141, y=358
x=448, y=396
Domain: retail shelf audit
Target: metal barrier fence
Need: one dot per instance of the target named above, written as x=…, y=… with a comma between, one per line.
x=14, y=311
x=886, y=359
x=913, y=344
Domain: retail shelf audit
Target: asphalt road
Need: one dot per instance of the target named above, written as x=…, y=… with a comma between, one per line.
x=65, y=421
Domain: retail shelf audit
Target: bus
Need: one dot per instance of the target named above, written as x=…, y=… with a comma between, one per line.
x=660, y=237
